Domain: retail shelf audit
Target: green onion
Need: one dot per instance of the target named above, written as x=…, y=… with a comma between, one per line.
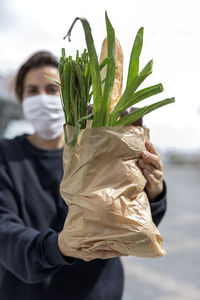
x=137, y=114
x=135, y=54
x=94, y=71
x=110, y=72
x=78, y=76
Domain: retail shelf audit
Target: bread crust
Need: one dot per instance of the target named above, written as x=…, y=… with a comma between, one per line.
x=118, y=82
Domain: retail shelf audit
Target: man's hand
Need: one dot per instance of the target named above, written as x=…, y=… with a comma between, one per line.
x=87, y=256
x=152, y=168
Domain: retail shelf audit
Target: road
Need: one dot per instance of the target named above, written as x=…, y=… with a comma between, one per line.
x=175, y=276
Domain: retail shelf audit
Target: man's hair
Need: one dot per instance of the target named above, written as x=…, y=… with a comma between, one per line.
x=37, y=60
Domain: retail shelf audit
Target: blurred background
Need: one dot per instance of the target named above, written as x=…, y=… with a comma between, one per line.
x=172, y=39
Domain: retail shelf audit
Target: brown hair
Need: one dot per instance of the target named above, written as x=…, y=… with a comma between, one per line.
x=37, y=60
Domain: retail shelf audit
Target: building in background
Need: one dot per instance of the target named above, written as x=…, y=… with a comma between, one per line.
x=12, y=121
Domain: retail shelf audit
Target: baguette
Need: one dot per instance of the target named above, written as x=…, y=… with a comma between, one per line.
x=118, y=82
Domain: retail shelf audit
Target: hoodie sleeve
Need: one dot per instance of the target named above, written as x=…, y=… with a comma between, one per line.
x=29, y=254
x=159, y=206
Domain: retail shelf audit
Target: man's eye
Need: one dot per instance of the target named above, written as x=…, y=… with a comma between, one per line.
x=53, y=89
x=31, y=91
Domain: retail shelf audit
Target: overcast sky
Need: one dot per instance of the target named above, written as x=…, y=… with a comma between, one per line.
x=171, y=38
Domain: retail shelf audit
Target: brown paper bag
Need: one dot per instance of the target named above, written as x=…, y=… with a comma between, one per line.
x=104, y=190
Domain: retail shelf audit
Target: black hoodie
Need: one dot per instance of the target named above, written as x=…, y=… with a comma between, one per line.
x=32, y=213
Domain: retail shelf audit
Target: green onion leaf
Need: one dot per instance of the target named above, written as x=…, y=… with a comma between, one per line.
x=82, y=98
x=110, y=71
x=128, y=93
x=103, y=63
x=131, y=117
x=77, y=130
x=137, y=114
x=94, y=70
x=135, y=54
x=52, y=80
x=137, y=97
x=66, y=92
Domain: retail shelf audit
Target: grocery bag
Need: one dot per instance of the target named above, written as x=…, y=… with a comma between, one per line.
x=103, y=187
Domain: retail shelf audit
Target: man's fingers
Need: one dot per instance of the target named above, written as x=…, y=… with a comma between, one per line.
x=152, y=159
x=151, y=148
x=101, y=254
x=150, y=177
x=152, y=170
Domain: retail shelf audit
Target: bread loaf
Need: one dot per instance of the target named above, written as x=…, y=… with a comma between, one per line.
x=117, y=88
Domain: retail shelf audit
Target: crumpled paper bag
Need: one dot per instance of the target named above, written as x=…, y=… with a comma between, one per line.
x=104, y=190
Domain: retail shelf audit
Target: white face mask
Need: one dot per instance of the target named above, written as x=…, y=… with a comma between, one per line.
x=46, y=114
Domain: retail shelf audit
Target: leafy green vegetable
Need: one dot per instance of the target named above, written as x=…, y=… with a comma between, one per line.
x=94, y=71
x=134, y=116
x=110, y=72
x=135, y=54
x=80, y=75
